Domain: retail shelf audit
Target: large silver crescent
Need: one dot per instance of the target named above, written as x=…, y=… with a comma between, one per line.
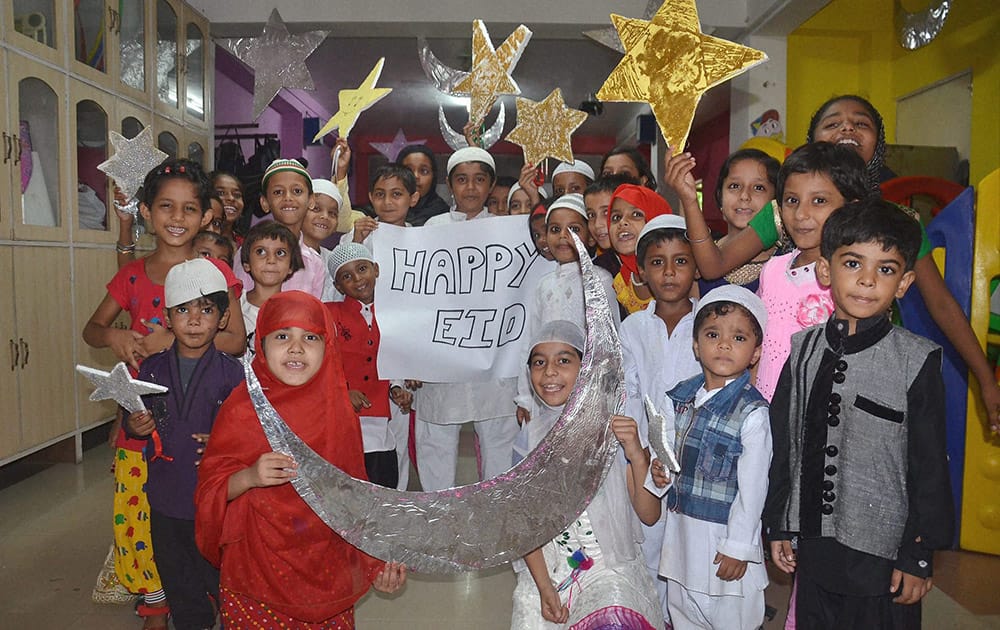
x=457, y=141
x=494, y=521
x=442, y=77
x=920, y=28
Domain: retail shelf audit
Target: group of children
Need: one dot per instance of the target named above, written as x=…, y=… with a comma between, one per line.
x=798, y=413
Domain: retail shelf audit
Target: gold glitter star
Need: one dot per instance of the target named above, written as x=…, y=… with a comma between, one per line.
x=669, y=63
x=119, y=385
x=544, y=128
x=491, y=69
x=353, y=102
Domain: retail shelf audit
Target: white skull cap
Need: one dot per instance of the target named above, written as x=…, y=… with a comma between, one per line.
x=578, y=166
x=562, y=331
x=738, y=295
x=470, y=154
x=328, y=188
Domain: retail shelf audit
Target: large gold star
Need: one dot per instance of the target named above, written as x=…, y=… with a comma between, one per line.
x=353, y=102
x=669, y=63
x=491, y=69
x=544, y=128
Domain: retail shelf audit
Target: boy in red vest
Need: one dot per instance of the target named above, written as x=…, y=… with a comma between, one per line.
x=354, y=273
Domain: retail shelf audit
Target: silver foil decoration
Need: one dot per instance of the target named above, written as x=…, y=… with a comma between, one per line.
x=494, y=521
x=457, y=141
x=278, y=59
x=443, y=78
x=918, y=29
x=609, y=36
x=658, y=438
x=119, y=386
x=131, y=161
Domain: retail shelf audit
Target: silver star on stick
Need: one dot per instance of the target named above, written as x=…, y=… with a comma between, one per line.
x=132, y=160
x=277, y=58
x=118, y=385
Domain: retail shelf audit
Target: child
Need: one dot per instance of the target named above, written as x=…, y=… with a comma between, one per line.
x=270, y=255
x=355, y=272
x=443, y=407
x=628, y=161
x=536, y=226
x=175, y=196
x=814, y=181
x=656, y=342
x=615, y=591
x=519, y=202
x=858, y=421
x=712, y=552
x=212, y=245
x=571, y=178
x=392, y=193
x=631, y=207
x=420, y=161
x=200, y=378
x=746, y=184
x=215, y=208
x=230, y=191
x=279, y=563
x=320, y=224
x=287, y=194
x=559, y=294
x=496, y=203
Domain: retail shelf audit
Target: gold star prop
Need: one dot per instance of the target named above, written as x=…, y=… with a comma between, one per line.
x=132, y=160
x=491, y=69
x=119, y=385
x=353, y=102
x=669, y=63
x=544, y=128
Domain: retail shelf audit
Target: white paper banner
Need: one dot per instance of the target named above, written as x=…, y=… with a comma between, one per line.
x=453, y=299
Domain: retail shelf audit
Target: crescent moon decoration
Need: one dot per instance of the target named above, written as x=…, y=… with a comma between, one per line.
x=609, y=36
x=443, y=78
x=491, y=69
x=457, y=141
x=918, y=29
x=494, y=521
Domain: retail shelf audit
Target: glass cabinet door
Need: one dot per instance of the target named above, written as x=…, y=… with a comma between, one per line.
x=167, y=142
x=196, y=153
x=167, y=75
x=36, y=26
x=90, y=122
x=130, y=28
x=194, y=73
x=92, y=26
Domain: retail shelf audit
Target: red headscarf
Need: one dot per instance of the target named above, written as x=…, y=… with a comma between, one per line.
x=271, y=546
x=651, y=204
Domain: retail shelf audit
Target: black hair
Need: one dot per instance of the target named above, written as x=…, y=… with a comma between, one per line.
x=179, y=168
x=218, y=299
x=214, y=175
x=505, y=181
x=841, y=164
x=388, y=171
x=873, y=220
x=274, y=231
x=725, y=308
x=638, y=159
x=423, y=150
x=771, y=165
x=609, y=183
x=216, y=239
x=486, y=167
x=654, y=237
x=873, y=168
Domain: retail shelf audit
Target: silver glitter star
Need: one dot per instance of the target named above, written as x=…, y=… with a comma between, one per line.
x=277, y=58
x=118, y=385
x=609, y=36
x=131, y=161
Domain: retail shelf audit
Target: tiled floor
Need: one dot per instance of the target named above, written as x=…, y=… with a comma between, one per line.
x=55, y=532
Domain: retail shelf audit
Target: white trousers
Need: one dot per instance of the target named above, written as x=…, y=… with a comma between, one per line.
x=690, y=610
x=437, y=450
x=652, y=546
x=399, y=426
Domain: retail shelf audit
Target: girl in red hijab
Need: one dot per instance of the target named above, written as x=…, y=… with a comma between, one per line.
x=630, y=208
x=281, y=566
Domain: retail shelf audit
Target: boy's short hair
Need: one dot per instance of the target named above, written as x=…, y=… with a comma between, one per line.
x=274, y=231
x=873, y=220
x=725, y=308
x=609, y=183
x=843, y=165
x=218, y=299
x=388, y=171
x=771, y=166
x=218, y=240
x=505, y=181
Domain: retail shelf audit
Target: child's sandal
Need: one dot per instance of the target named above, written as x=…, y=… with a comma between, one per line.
x=149, y=612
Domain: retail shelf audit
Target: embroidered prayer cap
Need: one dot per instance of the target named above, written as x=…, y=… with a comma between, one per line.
x=286, y=166
x=345, y=253
x=738, y=295
x=562, y=331
x=470, y=154
x=191, y=280
x=572, y=201
x=664, y=221
x=578, y=166
x=516, y=187
x=328, y=188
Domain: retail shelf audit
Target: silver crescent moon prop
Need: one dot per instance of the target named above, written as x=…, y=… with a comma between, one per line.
x=608, y=36
x=658, y=436
x=442, y=77
x=457, y=141
x=494, y=521
x=918, y=29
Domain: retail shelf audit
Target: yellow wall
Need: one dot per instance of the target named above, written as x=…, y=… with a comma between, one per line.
x=850, y=47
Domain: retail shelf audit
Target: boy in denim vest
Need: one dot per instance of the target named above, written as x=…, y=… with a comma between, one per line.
x=718, y=422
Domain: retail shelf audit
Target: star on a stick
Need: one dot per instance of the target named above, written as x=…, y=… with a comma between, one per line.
x=608, y=36
x=669, y=63
x=544, y=128
x=491, y=69
x=118, y=385
x=278, y=59
x=391, y=149
x=131, y=161
x=353, y=102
